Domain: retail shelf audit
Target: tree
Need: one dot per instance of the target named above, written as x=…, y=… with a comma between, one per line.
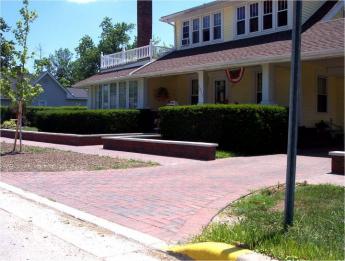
x=61, y=66
x=87, y=63
x=7, y=47
x=114, y=36
x=15, y=81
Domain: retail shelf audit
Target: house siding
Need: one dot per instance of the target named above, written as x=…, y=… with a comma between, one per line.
x=309, y=8
x=54, y=95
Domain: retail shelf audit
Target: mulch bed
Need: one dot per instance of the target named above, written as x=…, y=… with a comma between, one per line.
x=46, y=159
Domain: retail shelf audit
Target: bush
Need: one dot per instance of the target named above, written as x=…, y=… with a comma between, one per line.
x=9, y=124
x=88, y=121
x=7, y=113
x=249, y=129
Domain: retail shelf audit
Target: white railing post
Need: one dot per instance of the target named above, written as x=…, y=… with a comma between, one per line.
x=151, y=49
x=102, y=63
x=123, y=54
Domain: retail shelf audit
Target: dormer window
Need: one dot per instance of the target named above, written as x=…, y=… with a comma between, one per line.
x=241, y=20
x=267, y=15
x=217, y=26
x=261, y=16
x=254, y=18
x=185, y=33
x=206, y=28
x=196, y=31
x=282, y=15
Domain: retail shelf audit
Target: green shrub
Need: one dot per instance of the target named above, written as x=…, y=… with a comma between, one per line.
x=248, y=129
x=31, y=112
x=9, y=124
x=88, y=121
x=7, y=113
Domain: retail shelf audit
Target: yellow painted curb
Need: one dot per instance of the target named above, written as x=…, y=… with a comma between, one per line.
x=209, y=251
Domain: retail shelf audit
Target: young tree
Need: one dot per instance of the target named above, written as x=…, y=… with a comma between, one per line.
x=15, y=81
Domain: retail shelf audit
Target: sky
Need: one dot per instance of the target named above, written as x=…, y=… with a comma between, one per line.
x=61, y=23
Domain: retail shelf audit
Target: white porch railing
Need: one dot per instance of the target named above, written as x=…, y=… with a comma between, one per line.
x=127, y=56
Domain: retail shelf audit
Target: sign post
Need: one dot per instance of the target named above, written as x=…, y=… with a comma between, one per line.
x=295, y=79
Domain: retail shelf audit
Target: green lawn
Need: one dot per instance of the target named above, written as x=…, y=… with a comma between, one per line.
x=222, y=154
x=317, y=234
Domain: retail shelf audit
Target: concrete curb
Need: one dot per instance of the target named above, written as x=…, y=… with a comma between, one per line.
x=142, y=238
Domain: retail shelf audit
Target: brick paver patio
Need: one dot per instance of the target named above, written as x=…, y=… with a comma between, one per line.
x=173, y=201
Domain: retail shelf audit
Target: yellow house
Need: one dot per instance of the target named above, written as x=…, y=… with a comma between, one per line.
x=232, y=52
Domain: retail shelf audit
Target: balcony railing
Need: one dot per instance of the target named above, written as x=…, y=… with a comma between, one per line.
x=150, y=51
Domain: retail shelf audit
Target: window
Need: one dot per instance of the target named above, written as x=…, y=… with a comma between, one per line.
x=322, y=94
x=254, y=18
x=105, y=96
x=217, y=26
x=258, y=87
x=267, y=15
x=195, y=92
x=206, y=28
x=99, y=100
x=241, y=22
x=196, y=29
x=185, y=33
x=133, y=94
x=122, y=95
x=282, y=14
x=113, y=95
x=219, y=91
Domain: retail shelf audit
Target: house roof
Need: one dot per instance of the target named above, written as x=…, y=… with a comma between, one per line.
x=78, y=93
x=105, y=76
x=323, y=39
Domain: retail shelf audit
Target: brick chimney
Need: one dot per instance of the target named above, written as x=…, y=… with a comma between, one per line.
x=144, y=22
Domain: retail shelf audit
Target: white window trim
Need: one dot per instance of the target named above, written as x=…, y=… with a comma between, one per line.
x=191, y=89
x=201, y=42
x=256, y=86
x=274, y=28
x=226, y=89
x=139, y=95
x=317, y=94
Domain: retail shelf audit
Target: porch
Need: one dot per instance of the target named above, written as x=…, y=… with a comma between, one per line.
x=322, y=90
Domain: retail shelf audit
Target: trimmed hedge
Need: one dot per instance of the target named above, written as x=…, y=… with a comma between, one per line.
x=89, y=121
x=7, y=113
x=250, y=129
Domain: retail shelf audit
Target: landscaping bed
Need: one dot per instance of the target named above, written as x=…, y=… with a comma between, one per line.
x=47, y=159
x=255, y=222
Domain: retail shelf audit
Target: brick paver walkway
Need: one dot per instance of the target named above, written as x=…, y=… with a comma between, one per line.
x=171, y=202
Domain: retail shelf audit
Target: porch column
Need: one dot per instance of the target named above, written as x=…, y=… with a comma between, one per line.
x=201, y=84
x=267, y=83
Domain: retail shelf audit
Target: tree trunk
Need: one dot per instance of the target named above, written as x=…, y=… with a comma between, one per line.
x=16, y=134
x=20, y=124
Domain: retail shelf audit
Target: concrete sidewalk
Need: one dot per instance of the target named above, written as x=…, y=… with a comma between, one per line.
x=31, y=231
x=171, y=202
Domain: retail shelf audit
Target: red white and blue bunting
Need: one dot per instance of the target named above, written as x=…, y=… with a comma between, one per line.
x=235, y=75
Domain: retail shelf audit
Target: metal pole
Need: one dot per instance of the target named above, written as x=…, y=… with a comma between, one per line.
x=295, y=79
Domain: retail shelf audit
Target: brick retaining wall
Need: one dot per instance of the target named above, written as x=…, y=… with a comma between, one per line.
x=191, y=150
x=60, y=138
